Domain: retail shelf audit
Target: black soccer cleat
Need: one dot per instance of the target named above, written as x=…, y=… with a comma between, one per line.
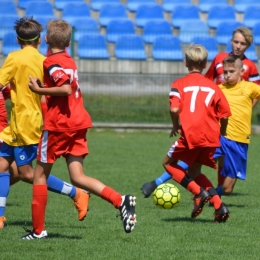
x=199, y=201
x=148, y=188
x=221, y=214
x=127, y=212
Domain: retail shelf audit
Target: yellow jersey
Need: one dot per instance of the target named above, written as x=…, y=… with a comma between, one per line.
x=26, y=114
x=240, y=98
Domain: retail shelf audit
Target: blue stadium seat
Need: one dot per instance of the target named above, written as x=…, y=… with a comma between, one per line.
x=220, y=13
x=43, y=20
x=224, y=31
x=84, y=25
x=8, y=7
x=205, y=5
x=148, y=12
x=77, y=9
x=23, y=3
x=209, y=42
x=250, y=52
x=241, y=5
x=183, y=13
x=167, y=48
x=109, y=12
x=7, y=24
x=92, y=47
x=132, y=5
x=117, y=28
x=130, y=47
x=251, y=15
x=169, y=5
x=9, y=43
x=256, y=33
x=59, y=4
x=96, y=5
x=187, y=32
x=39, y=9
x=155, y=28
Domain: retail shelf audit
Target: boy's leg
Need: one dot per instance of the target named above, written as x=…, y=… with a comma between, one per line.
x=221, y=211
x=39, y=201
x=4, y=191
x=149, y=187
x=201, y=196
x=125, y=204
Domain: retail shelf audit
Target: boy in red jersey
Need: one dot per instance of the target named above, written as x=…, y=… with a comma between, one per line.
x=64, y=132
x=197, y=102
x=21, y=136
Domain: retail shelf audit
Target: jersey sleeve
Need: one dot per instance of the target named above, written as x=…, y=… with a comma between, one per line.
x=223, y=109
x=211, y=73
x=255, y=91
x=254, y=75
x=56, y=73
x=7, y=71
x=174, y=97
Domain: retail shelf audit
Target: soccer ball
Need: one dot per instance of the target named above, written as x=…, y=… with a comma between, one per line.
x=166, y=196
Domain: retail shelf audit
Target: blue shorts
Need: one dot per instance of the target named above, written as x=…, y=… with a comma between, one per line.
x=235, y=158
x=21, y=154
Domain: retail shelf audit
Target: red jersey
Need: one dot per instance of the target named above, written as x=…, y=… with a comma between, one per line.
x=65, y=113
x=201, y=104
x=215, y=71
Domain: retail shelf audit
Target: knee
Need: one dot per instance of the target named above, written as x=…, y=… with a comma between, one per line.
x=26, y=176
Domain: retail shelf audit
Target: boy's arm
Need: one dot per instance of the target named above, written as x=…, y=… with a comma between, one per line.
x=223, y=126
x=174, y=112
x=36, y=86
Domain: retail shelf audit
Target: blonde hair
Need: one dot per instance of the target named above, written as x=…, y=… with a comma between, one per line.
x=246, y=33
x=58, y=34
x=196, y=56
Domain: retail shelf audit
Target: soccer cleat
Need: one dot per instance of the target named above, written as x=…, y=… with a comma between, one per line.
x=31, y=235
x=221, y=214
x=127, y=212
x=199, y=201
x=81, y=201
x=2, y=222
x=148, y=188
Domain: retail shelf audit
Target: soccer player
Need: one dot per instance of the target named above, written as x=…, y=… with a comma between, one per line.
x=197, y=103
x=22, y=135
x=64, y=132
x=241, y=40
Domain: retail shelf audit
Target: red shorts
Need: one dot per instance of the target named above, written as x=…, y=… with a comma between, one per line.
x=204, y=155
x=52, y=145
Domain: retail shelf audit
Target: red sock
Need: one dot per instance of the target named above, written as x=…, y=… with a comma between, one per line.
x=204, y=182
x=111, y=196
x=221, y=178
x=178, y=174
x=40, y=196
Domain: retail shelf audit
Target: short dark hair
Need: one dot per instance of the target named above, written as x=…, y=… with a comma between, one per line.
x=231, y=59
x=28, y=30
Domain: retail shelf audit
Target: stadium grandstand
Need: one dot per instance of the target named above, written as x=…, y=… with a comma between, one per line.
x=143, y=38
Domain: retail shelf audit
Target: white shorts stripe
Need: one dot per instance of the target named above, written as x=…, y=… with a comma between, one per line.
x=2, y=201
x=44, y=146
x=66, y=189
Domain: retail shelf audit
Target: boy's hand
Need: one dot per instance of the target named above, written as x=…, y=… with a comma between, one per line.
x=34, y=84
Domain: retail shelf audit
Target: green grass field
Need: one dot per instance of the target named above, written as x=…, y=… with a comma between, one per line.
x=125, y=160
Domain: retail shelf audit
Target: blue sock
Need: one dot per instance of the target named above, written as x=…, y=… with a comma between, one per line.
x=56, y=185
x=219, y=190
x=4, y=191
x=163, y=178
x=183, y=165
x=166, y=176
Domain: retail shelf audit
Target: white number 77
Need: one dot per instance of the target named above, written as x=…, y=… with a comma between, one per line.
x=195, y=90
